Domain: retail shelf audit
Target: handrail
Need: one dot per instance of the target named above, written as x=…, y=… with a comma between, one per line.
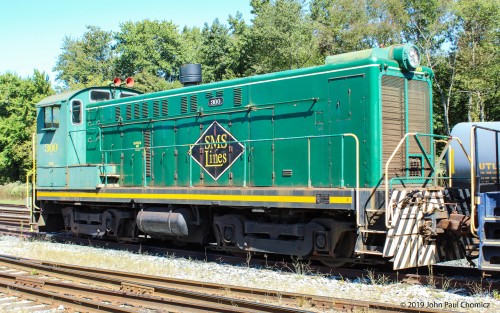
x=474, y=158
x=388, y=211
x=245, y=144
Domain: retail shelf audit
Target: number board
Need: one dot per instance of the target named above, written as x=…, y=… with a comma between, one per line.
x=216, y=150
x=215, y=102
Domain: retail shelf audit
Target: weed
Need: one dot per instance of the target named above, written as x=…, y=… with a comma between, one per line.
x=300, y=268
x=34, y=272
x=431, y=281
x=495, y=294
x=375, y=279
x=446, y=284
x=249, y=258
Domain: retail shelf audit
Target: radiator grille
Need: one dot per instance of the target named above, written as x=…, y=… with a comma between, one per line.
x=393, y=123
x=419, y=116
x=418, y=110
x=394, y=95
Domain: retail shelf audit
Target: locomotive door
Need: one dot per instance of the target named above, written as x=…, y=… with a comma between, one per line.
x=347, y=111
x=77, y=136
x=260, y=149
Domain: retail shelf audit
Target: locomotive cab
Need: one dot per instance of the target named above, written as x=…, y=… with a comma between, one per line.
x=62, y=139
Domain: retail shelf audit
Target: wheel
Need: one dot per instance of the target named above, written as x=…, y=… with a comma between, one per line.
x=343, y=249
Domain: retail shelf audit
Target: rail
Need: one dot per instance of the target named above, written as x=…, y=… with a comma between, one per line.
x=474, y=171
x=388, y=210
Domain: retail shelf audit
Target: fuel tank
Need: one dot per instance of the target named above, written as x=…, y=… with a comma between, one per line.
x=487, y=154
x=158, y=221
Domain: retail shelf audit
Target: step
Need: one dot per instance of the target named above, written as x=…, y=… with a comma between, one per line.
x=373, y=231
x=107, y=185
x=489, y=242
x=489, y=267
x=110, y=175
x=372, y=252
x=492, y=219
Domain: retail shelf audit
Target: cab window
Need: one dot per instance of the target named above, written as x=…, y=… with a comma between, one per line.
x=76, y=112
x=99, y=95
x=51, y=117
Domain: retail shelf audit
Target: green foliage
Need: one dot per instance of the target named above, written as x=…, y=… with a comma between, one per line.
x=147, y=82
x=350, y=25
x=477, y=55
x=281, y=37
x=191, y=42
x=458, y=39
x=87, y=61
x=17, y=122
x=148, y=46
x=215, y=51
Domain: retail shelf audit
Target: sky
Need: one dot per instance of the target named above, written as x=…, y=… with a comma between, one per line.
x=32, y=31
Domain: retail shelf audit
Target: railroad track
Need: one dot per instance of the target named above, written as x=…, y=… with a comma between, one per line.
x=161, y=293
x=442, y=277
x=439, y=277
x=16, y=220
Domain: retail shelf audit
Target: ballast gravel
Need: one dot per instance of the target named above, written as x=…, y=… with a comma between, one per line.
x=302, y=281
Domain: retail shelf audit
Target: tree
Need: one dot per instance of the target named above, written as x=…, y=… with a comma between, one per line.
x=17, y=122
x=214, y=52
x=350, y=25
x=281, y=37
x=477, y=55
x=86, y=61
x=191, y=43
x=152, y=47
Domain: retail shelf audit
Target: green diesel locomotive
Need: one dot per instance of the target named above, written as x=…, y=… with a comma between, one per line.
x=333, y=162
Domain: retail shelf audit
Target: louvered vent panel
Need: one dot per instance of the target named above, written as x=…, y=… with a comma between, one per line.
x=164, y=107
x=137, y=110
x=118, y=113
x=208, y=94
x=419, y=116
x=184, y=105
x=147, y=151
x=156, y=108
x=128, y=112
x=145, y=110
x=194, y=103
x=393, y=124
x=237, y=96
x=219, y=93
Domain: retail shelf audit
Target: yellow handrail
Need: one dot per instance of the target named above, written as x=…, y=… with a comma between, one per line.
x=389, y=212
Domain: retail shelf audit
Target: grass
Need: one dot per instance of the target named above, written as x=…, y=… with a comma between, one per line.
x=13, y=193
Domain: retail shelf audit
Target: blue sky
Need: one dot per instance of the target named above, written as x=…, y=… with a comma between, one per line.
x=32, y=31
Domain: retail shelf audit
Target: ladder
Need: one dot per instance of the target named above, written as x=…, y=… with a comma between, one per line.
x=489, y=231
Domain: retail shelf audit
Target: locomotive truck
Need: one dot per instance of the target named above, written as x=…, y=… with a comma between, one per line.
x=335, y=163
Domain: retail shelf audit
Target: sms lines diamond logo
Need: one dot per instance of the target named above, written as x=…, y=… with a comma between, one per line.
x=216, y=150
